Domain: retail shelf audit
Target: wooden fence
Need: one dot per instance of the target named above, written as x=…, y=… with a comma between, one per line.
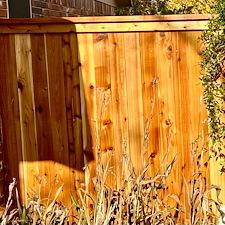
x=72, y=85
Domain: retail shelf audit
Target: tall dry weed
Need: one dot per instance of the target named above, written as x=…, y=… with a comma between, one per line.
x=139, y=200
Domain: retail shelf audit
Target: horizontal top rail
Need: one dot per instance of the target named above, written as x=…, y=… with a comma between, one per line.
x=105, y=24
x=108, y=19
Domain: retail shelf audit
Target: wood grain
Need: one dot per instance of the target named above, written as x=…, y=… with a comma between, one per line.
x=28, y=166
x=9, y=111
x=107, y=19
x=73, y=111
x=103, y=81
x=105, y=24
x=56, y=98
x=134, y=98
x=88, y=105
x=69, y=93
x=42, y=111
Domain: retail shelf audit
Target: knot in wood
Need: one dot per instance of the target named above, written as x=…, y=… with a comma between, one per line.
x=20, y=85
x=153, y=154
x=107, y=122
x=168, y=122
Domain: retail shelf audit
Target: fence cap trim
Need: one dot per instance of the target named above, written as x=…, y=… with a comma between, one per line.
x=107, y=19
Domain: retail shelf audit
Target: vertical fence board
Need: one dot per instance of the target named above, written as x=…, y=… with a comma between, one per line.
x=9, y=111
x=104, y=102
x=88, y=103
x=56, y=87
x=42, y=109
x=73, y=111
x=115, y=56
x=29, y=164
x=163, y=121
x=165, y=97
x=76, y=105
x=119, y=102
x=181, y=94
x=134, y=98
x=150, y=79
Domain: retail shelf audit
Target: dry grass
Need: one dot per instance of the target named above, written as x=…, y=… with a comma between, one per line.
x=140, y=200
x=199, y=191
x=137, y=202
x=36, y=212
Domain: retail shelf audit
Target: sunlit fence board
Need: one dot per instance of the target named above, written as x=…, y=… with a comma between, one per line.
x=73, y=87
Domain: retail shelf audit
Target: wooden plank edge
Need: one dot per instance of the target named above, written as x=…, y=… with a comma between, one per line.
x=36, y=28
x=105, y=27
x=142, y=27
x=107, y=19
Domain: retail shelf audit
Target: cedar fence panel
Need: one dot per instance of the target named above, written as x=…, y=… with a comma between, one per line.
x=71, y=85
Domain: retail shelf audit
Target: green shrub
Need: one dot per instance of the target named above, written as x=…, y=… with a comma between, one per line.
x=161, y=7
x=213, y=79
